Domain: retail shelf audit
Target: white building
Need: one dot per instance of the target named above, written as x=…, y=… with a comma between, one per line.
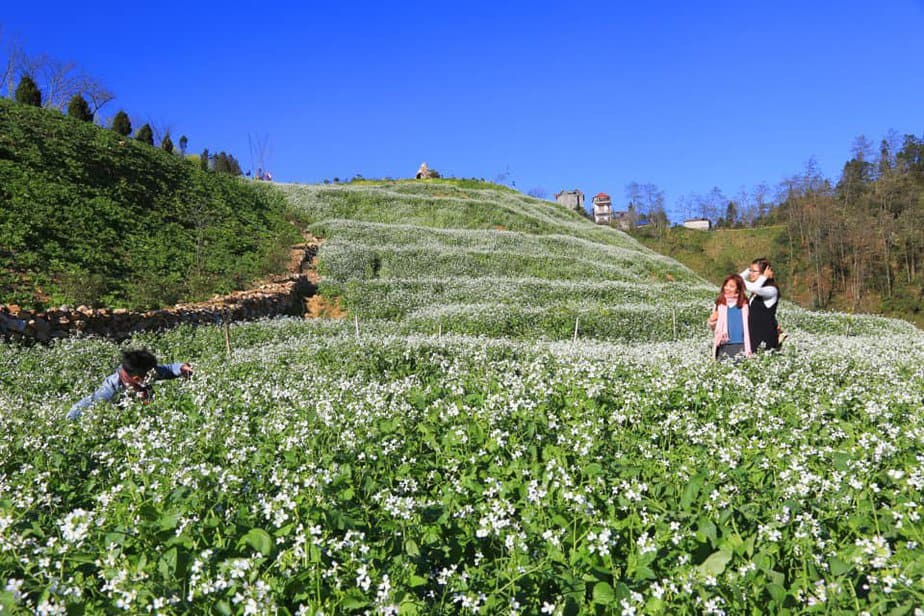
x=603, y=209
x=700, y=224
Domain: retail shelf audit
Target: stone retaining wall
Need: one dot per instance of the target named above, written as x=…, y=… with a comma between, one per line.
x=280, y=296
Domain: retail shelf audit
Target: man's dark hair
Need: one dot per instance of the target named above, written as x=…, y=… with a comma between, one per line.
x=138, y=363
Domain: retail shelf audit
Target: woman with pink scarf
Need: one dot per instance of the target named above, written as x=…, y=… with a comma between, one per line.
x=729, y=320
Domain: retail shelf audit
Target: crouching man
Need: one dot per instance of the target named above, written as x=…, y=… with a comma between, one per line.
x=132, y=377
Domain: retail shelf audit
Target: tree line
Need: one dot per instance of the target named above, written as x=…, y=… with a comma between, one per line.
x=44, y=81
x=855, y=244
x=862, y=237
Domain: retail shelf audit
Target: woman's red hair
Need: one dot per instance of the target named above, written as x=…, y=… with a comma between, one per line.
x=739, y=283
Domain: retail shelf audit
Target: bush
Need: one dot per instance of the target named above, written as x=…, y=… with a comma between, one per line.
x=78, y=109
x=28, y=93
x=121, y=124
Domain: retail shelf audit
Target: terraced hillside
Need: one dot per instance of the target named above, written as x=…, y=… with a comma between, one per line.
x=460, y=452
x=481, y=259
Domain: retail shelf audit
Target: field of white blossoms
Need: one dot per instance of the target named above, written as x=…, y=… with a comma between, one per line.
x=455, y=448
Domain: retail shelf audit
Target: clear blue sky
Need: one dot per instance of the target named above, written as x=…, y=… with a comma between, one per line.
x=591, y=95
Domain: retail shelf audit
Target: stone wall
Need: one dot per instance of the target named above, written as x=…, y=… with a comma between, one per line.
x=280, y=297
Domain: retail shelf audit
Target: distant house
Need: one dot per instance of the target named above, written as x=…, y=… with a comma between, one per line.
x=571, y=199
x=603, y=209
x=623, y=220
x=700, y=224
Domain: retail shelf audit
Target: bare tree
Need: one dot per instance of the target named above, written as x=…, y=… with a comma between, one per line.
x=10, y=64
x=95, y=92
x=260, y=153
x=537, y=192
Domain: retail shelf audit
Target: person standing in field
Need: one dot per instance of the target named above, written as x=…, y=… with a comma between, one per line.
x=765, y=295
x=132, y=376
x=729, y=320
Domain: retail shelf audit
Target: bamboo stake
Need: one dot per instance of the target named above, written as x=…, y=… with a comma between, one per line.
x=227, y=334
x=576, y=319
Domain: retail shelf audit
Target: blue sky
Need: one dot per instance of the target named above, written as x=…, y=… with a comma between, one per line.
x=589, y=95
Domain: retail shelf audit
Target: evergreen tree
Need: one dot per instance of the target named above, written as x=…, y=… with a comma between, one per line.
x=28, y=93
x=167, y=144
x=145, y=135
x=121, y=124
x=183, y=143
x=204, y=160
x=226, y=163
x=79, y=109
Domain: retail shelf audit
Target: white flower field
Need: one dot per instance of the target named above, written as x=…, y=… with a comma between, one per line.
x=453, y=446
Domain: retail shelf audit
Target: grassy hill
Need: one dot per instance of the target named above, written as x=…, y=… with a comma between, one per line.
x=452, y=449
x=90, y=217
x=719, y=252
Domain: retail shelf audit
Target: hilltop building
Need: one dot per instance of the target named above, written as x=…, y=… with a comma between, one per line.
x=603, y=209
x=571, y=199
x=425, y=173
x=623, y=220
x=700, y=224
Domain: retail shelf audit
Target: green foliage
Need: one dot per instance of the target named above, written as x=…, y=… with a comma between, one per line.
x=79, y=109
x=121, y=124
x=88, y=217
x=315, y=469
x=226, y=163
x=145, y=135
x=167, y=144
x=28, y=93
x=717, y=253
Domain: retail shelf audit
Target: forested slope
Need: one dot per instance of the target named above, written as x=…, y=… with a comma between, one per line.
x=90, y=217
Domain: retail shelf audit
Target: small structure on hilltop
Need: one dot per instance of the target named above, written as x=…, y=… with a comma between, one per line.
x=623, y=219
x=571, y=199
x=700, y=224
x=425, y=173
x=603, y=209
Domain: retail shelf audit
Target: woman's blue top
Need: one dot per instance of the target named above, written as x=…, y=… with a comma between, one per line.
x=735, y=326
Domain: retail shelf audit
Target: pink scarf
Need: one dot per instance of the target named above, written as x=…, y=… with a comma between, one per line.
x=721, y=327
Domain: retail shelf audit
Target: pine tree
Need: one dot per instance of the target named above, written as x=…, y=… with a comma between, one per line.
x=145, y=135
x=167, y=144
x=79, y=109
x=28, y=93
x=121, y=124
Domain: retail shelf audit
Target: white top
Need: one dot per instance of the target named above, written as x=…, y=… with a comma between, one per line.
x=769, y=294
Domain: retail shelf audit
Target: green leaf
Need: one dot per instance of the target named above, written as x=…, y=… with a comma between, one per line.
x=354, y=599
x=839, y=567
x=693, y=487
x=715, y=564
x=777, y=592
x=593, y=469
x=223, y=607
x=603, y=593
x=166, y=565
x=259, y=539
x=707, y=530
x=416, y=581
x=410, y=546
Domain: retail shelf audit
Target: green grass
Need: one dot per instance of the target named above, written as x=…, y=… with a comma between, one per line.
x=87, y=216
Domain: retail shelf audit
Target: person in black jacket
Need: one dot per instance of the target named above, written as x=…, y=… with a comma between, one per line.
x=765, y=296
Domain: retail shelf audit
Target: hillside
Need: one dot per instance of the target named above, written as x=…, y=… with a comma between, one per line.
x=481, y=259
x=451, y=448
x=90, y=217
x=719, y=252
